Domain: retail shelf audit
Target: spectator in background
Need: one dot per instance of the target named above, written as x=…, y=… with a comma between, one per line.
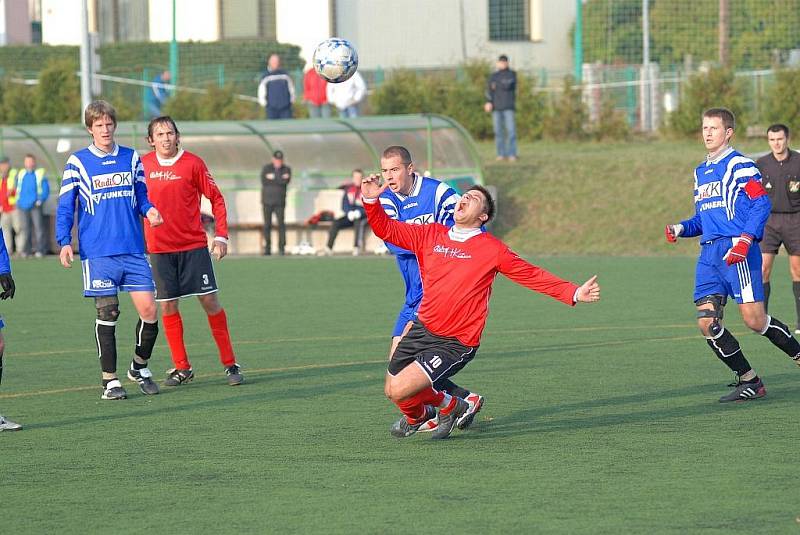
x=354, y=215
x=501, y=93
x=9, y=217
x=347, y=95
x=315, y=95
x=275, y=178
x=157, y=95
x=31, y=191
x=276, y=90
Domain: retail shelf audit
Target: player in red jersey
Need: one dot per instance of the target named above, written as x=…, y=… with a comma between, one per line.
x=458, y=266
x=179, y=250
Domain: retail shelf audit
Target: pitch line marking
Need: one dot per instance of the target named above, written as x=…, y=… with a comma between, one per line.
x=258, y=371
x=369, y=337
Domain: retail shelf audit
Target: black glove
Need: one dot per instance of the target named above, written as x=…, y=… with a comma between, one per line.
x=7, y=282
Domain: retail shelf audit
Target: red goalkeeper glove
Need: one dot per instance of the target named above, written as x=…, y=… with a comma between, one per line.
x=672, y=232
x=738, y=253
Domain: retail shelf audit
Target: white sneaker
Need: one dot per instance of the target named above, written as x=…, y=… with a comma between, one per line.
x=8, y=425
x=381, y=249
x=327, y=251
x=475, y=402
x=356, y=251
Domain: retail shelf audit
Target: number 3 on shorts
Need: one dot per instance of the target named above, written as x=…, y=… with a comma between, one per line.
x=205, y=278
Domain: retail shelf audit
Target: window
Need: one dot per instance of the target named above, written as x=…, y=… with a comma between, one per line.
x=515, y=20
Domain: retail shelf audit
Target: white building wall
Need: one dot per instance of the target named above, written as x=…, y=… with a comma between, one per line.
x=445, y=33
x=61, y=22
x=304, y=23
x=197, y=20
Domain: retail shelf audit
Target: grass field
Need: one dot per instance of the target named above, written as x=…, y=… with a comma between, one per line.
x=597, y=198
x=599, y=419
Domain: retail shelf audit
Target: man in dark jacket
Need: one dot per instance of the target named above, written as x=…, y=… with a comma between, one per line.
x=501, y=92
x=276, y=90
x=275, y=178
x=353, y=216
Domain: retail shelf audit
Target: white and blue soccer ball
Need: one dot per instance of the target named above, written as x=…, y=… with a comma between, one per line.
x=336, y=60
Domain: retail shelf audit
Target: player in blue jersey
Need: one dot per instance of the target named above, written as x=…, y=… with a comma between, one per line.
x=106, y=182
x=731, y=209
x=7, y=283
x=418, y=200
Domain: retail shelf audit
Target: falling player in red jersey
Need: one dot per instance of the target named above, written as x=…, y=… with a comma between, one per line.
x=458, y=266
x=179, y=251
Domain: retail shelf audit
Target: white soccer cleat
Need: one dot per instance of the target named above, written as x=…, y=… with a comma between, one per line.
x=8, y=425
x=475, y=402
x=429, y=425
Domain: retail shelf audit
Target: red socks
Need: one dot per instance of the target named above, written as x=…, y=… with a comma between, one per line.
x=219, y=330
x=173, y=329
x=414, y=407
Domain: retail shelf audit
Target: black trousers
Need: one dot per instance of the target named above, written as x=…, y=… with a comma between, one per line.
x=279, y=211
x=343, y=222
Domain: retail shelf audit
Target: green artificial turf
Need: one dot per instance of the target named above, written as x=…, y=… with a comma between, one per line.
x=598, y=419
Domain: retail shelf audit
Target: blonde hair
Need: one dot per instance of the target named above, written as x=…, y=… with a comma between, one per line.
x=96, y=110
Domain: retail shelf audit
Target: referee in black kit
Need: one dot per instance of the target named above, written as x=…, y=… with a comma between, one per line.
x=780, y=175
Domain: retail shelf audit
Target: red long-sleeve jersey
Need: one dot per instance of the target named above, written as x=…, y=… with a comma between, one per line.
x=174, y=187
x=458, y=270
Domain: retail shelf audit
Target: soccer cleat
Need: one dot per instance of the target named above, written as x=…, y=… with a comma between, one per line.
x=475, y=405
x=448, y=421
x=234, y=374
x=8, y=425
x=401, y=428
x=114, y=390
x=144, y=377
x=177, y=377
x=745, y=391
x=429, y=425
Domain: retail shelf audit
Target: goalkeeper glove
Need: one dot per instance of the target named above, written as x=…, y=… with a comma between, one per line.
x=672, y=232
x=352, y=215
x=7, y=282
x=738, y=253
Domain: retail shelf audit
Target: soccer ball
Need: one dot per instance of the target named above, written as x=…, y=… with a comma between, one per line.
x=336, y=60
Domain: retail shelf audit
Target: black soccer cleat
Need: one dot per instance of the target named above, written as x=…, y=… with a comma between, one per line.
x=144, y=378
x=176, y=377
x=401, y=428
x=234, y=374
x=745, y=391
x=113, y=391
x=448, y=421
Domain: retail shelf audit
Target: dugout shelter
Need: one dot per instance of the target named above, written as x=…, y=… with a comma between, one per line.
x=321, y=152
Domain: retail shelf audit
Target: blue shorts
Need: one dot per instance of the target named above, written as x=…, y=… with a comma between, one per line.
x=409, y=269
x=741, y=281
x=2, y=323
x=106, y=275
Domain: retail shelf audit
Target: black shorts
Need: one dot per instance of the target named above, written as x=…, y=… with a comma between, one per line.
x=782, y=228
x=437, y=356
x=183, y=274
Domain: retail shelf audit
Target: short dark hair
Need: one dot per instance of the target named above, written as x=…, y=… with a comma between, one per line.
x=778, y=127
x=488, y=205
x=29, y=155
x=397, y=150
x=357, y=170
x=726, y=115
x=163, y=119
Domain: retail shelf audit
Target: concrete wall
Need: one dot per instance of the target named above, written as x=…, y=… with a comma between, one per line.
x=197, y=20
x=304, y=23
x=15, y=23
x=445, y=33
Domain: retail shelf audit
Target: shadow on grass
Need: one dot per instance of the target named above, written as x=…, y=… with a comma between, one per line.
x=539, y=419
x=248, y=395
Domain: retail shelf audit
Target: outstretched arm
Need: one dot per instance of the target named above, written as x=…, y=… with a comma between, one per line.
x=406, y=236
x=542, y=281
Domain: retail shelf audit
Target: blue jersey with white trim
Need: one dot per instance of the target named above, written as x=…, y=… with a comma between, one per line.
x=111, y=195
x=5, y=261
x=723, y=207
x=430, y=201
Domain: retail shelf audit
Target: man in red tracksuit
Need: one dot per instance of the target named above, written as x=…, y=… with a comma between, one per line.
x=178, y=249
x=315, y=95
x=458, y=267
